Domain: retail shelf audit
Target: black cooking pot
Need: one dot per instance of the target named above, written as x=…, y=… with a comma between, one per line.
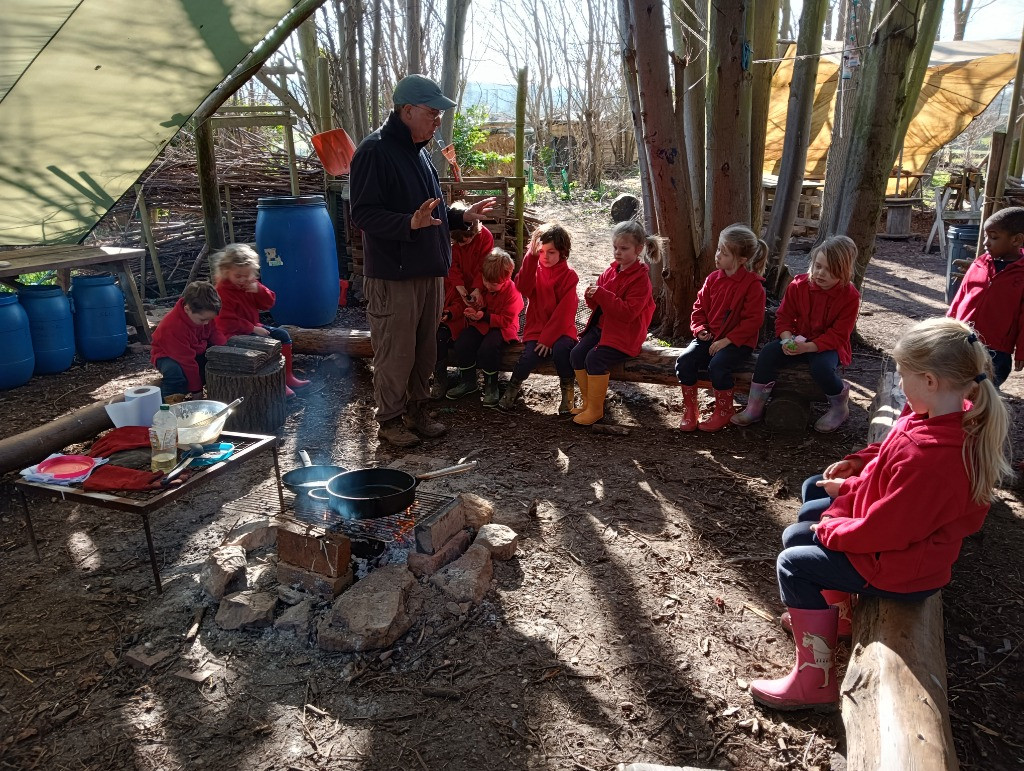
x=309, y=477
x=377, y=492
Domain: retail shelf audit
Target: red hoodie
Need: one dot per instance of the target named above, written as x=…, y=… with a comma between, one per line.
x=899, y=527
x=994, y=304
x=730, y=306
x=176, y=337
x=551, y=292
x=501, y=311
x=240, y=310
x=626, y=305
x=825, y=318
x=466, y=271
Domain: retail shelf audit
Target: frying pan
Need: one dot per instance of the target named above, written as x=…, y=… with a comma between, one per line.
x=369, y=493
x=309, y=477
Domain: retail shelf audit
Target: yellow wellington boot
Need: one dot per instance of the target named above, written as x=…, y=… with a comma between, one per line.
x=581, y=379
x=597, y=390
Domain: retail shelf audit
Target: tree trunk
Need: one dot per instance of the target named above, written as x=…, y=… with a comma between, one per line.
x=961, y=15
x=766, y=21
x=881, y=100
x=629, y=75
x=690, y=63
x=309, y=53
x=414, y=37
x=797, y=139
x=667, y=152
x=786, y=22
x=454, y=34
x=375, y=65
x=209, y=190
x=264, y=409
x=344, y=91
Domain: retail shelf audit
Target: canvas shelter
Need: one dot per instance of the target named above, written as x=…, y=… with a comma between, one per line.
x=92, y=90
x=962, y=79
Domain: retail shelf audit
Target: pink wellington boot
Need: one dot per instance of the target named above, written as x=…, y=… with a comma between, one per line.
x=290, y=380
x=841, y=600
x=723, y=413
x=812, y=683
x=691, y=411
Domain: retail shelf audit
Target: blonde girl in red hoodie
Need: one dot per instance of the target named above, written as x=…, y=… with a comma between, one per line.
x=895, y=529
x=549, y=285
x=243, y=297
x=622, y=307
x=813, y=324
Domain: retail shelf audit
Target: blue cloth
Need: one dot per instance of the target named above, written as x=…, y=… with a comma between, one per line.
x=560, y=353
x=815, y=500
x=595, y=359
x=697, y=356
x=1002, y=366
x=174, y=380
x=278, y=333
x=474, y=349
x=824, y=366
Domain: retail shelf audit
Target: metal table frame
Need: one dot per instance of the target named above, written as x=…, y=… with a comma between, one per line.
x=144, y=507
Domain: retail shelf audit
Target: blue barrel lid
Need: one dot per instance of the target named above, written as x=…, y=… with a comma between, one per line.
x=292, y=200
x=964, y=230
x=8, y=298
x=34, y=291
x=98, y=279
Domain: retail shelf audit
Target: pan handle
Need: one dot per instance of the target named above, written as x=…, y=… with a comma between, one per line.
x=304, y=457
x=443, y=472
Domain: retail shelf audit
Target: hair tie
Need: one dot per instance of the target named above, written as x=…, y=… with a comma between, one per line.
x=978, y=378
x=972, y=338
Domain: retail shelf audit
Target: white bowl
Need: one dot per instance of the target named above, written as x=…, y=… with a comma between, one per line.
x=190, y=413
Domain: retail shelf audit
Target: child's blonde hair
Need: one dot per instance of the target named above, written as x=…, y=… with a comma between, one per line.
x=840, y=255
x=498, y=266
x=556, y=235
x=236, y=256
x=653, y=246
x=469, y=227
x=201, y=296
x=951, y=351
x=744, y=243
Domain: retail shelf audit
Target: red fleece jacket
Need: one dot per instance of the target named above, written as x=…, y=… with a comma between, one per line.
x=994, y=304
x=730, y=306
x=825, y=318
x=553, y=302
x=900, y=529
x=240, y=310
x=501, y=311
x=626, y=305
x=466, y=271
x=176, y=337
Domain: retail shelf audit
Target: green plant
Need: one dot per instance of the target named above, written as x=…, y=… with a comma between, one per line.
x=468, y=134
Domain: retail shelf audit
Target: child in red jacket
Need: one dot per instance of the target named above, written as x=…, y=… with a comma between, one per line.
x=463, y=287
x=726, y=318
x=488, y=328
x=814, y=324
x=181, y=339
x=991, y=295
x=243, y=297
x=895, y=529
x=622, y=307
x=549, y=285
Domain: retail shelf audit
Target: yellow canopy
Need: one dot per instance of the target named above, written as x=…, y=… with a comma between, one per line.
x=963, y=77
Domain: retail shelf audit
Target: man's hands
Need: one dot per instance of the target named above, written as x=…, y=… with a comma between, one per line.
x=423, y=217
x=478, y=211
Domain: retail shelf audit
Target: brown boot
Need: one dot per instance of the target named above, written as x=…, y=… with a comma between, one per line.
x=394, y=432
x=418, y=419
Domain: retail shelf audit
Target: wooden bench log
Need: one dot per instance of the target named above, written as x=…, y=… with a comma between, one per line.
x=894, y=702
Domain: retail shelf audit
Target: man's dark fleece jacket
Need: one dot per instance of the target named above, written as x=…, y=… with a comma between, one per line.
x=391, y=178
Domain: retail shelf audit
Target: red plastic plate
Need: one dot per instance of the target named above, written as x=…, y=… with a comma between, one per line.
x=66, y=466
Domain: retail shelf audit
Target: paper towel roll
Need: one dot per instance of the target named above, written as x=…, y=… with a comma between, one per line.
x=138, y=408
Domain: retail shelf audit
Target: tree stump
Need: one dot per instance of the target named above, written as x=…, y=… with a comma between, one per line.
x=625, y=207
x=265, y=407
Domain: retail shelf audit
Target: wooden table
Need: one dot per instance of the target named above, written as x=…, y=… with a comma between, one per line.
x=63, y=258
x=246, y=447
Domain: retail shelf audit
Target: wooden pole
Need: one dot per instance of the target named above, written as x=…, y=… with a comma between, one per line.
x=1012, y=148
x=995, y=162
x=154, y=256
x=323, y=79
x=227, y=209
x=766, y=22
x=209, y=190
x=289, y=145
x=520, y=161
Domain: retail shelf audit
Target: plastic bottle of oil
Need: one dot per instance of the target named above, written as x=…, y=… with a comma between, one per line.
x=163, y=440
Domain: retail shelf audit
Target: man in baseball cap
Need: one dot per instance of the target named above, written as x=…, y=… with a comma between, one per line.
x=419, y=89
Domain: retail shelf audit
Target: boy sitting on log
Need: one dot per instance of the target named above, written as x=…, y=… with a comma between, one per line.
x=181, y=339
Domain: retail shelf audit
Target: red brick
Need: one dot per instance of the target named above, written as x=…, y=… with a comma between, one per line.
x=328, y=555
x=315, y=583
x=426, y=564
x=431, y=536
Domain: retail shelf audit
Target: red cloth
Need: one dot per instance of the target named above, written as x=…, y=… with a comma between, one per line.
x=627, y=307
x=551, y=312
x=730, y=306
x=900, y=529
x=240, y=310
x=178, y=338
x=466, y=271
x=124, y=438
x=994, y=304
x=107, y=477
x=825, y=318
x=501, y=311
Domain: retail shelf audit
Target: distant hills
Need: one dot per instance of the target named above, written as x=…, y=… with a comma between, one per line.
x=500, y=98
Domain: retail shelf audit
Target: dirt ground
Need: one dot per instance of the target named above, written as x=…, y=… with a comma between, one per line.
x=626, y=629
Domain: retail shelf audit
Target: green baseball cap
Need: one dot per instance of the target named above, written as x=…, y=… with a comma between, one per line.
x=419, y=89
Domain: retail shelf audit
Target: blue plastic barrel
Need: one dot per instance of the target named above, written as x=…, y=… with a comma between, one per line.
x=16, y=358
x=963, y=241
x=298, y=259
x=98, y=307
x=53, y=331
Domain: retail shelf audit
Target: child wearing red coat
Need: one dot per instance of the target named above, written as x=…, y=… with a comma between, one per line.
x=243, y=297
x=181, y=339
x=725, y=321
x=893, y=531
x=813, y=324
x=488, y=329
x=991, y=295
x=464, y=286
x=622, y=306
x=549, y=286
